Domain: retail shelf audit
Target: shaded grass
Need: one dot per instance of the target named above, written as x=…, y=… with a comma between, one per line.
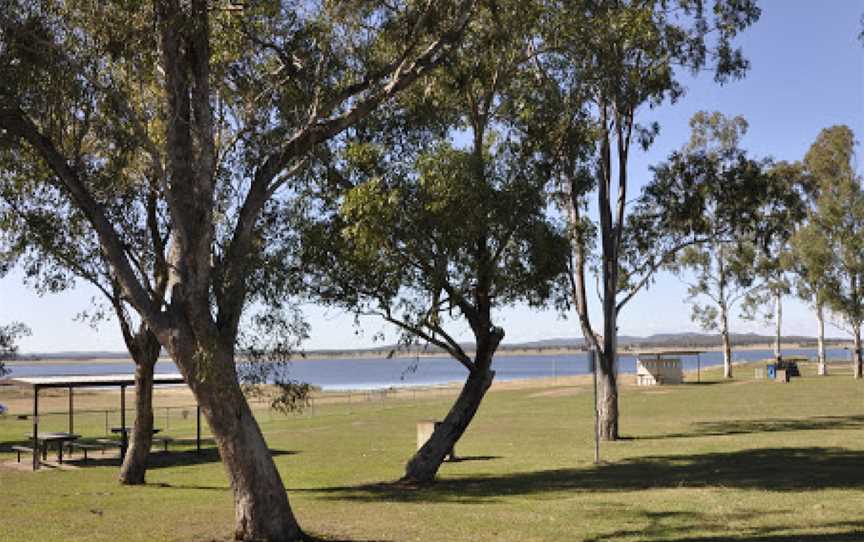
x=741, y=460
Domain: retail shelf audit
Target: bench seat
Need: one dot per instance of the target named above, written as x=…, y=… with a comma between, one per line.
x=22, y=449
x=84, y=447
x=164, y=441
x=107, y=443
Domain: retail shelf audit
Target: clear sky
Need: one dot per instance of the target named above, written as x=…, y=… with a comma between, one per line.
x=807, y=74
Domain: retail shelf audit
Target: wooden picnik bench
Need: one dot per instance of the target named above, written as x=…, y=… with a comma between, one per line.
x=84, y=447
x=107, y=443
x=22, y=449
x=164, y=441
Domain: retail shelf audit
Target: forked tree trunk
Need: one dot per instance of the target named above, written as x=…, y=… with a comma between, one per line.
x=144, y=348
x=424, y=465
x=823, y=365
x=262, y=511
x=134, y=466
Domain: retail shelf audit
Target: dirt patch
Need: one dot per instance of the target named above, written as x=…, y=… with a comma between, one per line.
x=27, y=466
x=559, y=392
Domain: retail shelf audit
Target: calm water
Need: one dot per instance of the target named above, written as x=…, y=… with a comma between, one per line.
x=357, y=374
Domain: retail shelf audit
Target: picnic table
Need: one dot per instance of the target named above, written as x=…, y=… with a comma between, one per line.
x=124, y=438
x=44, y=440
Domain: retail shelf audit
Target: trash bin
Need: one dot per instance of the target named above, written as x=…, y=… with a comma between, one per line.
x=771, y=371
x=425, y=429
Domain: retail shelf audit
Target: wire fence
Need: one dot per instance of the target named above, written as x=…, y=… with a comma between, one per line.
x=179, y=421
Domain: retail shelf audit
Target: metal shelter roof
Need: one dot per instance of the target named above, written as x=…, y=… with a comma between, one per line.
x=93, y=381
x=659, y=353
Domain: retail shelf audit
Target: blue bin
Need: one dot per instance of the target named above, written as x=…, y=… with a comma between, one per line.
x=771, y=370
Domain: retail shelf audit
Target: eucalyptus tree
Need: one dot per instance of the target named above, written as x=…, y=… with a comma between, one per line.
x=51, y=242
x=615, y=58
x=811, y=256
x=722, y=268
x=782, y=213
x=226, y=107
x=810, y=260
x=432, y=235
x=832, y=244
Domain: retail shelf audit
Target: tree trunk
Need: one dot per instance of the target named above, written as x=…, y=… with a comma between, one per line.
x=424, y=465
x=856, y=354
x=262, y=511
x=607, y=377
x=778, y=322
x=727, y=343
x=134, y=467
x=607, y=397
x=144, y=348
x=823, y=365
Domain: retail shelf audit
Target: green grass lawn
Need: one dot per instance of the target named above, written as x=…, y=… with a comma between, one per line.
x=740, y=460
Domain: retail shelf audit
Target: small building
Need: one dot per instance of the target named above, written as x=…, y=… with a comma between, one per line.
x=658, y=368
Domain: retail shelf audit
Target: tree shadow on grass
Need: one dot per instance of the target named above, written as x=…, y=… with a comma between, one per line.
x=464, y=458
x=771, y=469
x=324, y=538
x=160, y=459
x=166, y=485
x=849, y=536
x=678, y=526
x=767, y=425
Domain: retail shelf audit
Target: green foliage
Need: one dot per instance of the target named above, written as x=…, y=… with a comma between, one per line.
x=777, y=221
x=830, y=248
x=598, y=63
x=268, y=342
x=426, y=232
x=728, y=214
x=9, y=335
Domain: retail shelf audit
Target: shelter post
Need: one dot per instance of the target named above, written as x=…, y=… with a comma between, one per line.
x=123, y=441
x=36, y=428
x=698, y=368
x=71, y=411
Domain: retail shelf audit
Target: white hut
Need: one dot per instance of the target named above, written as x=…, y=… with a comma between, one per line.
x=658, y=368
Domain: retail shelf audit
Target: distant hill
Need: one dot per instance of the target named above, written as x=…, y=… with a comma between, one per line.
x=688, y=339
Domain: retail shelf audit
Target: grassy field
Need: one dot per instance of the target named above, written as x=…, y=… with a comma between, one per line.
x=740, y=460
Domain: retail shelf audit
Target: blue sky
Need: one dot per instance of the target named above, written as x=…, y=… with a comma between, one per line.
x=807, y=74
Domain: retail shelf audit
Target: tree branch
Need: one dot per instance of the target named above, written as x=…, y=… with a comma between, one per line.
x=16, y=122
x=456, y=352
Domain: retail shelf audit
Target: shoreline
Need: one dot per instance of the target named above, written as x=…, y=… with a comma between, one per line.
x=19, y=399
x=378, y=355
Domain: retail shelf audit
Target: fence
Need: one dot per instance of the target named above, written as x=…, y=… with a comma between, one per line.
x=179, y=420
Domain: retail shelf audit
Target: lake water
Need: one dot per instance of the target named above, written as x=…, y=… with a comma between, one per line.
x=377, y=373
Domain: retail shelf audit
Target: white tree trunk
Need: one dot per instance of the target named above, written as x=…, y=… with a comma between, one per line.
x=727, y=343
x=778, y=322
x=823, y=366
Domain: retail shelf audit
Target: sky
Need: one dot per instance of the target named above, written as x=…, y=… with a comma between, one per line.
x=807, y=73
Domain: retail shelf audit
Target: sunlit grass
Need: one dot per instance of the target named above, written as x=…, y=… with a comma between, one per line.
x=740, y=460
